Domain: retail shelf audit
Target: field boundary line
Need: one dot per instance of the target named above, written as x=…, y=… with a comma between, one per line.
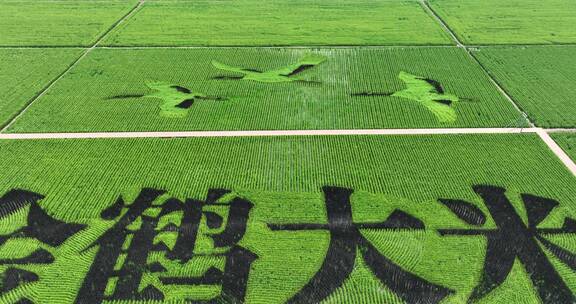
x=287, y=46
x=309, y=46
x=27, y=47
x=561, y=130
x=171, y=134
x=556, y=149
x=71, y=66
x=444, y=25
x=39, y=94
x=521, y=45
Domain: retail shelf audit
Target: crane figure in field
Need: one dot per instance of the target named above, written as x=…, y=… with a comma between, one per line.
x=284, y=74
x=175, y=99
x=427, y=92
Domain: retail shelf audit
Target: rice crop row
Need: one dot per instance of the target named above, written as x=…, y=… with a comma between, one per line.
x=396, y=181
x=540, y=79
x=58, y=23
x=25, y=72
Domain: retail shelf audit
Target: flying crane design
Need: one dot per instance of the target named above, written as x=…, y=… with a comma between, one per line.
x=284, y=74
x=428, y=92
x=175, y=100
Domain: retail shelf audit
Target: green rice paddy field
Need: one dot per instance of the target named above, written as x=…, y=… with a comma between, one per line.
x=93, y=210
x=59, y=22
x=325, y=99
x=509, y=22
x=25, y=72
x=541, y=79
x=265, y=23
x=567, y=142
x=282, y=178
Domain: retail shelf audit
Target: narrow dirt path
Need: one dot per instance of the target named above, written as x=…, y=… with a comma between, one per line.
x=267, y=133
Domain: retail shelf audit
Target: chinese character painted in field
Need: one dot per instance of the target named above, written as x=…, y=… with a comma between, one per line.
x=124, y=251
x=285, y=74
x=346, y=240
x=428, y=92
x=513, y=239
x=39, y=226
x=175, y=100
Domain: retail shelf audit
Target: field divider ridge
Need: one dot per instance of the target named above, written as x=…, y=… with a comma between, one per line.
x=289, y=46
x=459, y=43
x=443, y=24
x=313, y=46
x=564, y=158
x=72, y=65
x=173, y=134
x=561, y=130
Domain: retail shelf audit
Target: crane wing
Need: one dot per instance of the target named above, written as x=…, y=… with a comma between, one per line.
x=225, y=67
x=175, y=100
x=416, y=85
x=442, y=111
x=303, y=64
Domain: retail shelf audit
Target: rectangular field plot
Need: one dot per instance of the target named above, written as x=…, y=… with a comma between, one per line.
x=25, y=72
x=278, y=22
x=541, y=79
x=203, y=89
x=509, y=22
x=58, y=23
x=568, y=143
x=343, y=219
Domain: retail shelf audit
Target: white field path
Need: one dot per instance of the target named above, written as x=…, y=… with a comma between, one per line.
x=172, y=134
x=542, y=133
x=568, y=162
